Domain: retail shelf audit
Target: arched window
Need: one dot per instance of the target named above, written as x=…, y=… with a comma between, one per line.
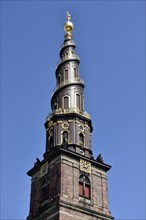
x=78, y=103
x=55, y=106
x=65, y=137
x=81, y=139
x=45, y=190
x=66, y=75
x=75, y=73
x=58, y=79
x=66, y=102
x=84, y=187
x=51, y=141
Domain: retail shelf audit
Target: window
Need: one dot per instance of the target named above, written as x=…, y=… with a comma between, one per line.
x=84, y=187
x=75, y=73
x=45, y=190
x=59, y=79
x=66, y=102
x=45, y=193
x=65, y=137
x=81, y=139
x=81, y=193
x=78, y=101
x=51, y=141
x=55, y=106
x=66, y=75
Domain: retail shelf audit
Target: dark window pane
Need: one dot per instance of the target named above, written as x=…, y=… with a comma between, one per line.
x=78, y=101
x=65, y=137
x=45, y=193
x=51, y=141
x=66, y=75
x=66, y=102
x=81, y=138
x=55, y=106
x=75, y=73
x=59, y=79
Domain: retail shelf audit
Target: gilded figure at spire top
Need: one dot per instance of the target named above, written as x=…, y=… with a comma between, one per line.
x=68, y=16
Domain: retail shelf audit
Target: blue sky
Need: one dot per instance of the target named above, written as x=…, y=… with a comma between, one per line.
x=110, y=40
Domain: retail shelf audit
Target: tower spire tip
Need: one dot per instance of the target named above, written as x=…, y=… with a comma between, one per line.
x=68, y=26
x=68, y=16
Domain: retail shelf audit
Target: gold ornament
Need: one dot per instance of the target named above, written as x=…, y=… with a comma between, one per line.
x=68, y=26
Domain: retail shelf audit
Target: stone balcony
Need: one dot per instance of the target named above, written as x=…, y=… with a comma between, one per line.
x=67, y=43
x=67, y=82
x=66, y=111
x=66, y=58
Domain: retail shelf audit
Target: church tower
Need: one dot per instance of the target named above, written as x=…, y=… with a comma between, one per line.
x=69, y=184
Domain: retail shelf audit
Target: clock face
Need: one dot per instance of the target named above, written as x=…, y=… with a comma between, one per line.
x=85, y=166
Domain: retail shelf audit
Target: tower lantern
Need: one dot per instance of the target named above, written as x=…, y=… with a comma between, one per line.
x=69, y=183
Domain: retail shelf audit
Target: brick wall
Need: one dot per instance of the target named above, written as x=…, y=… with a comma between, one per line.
x=64, y=200
x=70, y=172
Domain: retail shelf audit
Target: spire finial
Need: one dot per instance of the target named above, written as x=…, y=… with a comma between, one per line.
x=68, y=26
x=68, y=16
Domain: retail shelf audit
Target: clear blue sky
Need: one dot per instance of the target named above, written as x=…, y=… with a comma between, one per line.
x=110, y=39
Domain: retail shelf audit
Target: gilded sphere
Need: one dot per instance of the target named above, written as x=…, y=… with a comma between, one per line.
x=68, y=26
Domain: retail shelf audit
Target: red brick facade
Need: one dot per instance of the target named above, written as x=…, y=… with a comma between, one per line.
x=63, y=200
